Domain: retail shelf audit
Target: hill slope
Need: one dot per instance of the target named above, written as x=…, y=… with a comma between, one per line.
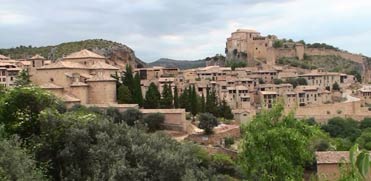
x=118, y=53
x=181, y=64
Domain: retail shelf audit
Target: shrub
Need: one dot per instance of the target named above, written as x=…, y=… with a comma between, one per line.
x=228, y=141
x=207, y=122
x=131, y=116
x=154, y=121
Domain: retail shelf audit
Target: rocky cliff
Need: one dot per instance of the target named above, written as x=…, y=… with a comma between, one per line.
x=116, y=53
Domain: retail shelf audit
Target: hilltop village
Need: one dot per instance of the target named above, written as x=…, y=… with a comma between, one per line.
x=256, y=74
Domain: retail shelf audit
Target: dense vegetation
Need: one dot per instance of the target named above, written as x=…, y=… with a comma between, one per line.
x=181, y=64
x=53, y=143
x=329, y=63
x=57, y=51
x=42, y=140
x=321, y=45
x=347, y=132
x=277, y=147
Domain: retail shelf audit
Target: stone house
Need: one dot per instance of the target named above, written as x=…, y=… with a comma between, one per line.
x=82, y=77
x=8, y=74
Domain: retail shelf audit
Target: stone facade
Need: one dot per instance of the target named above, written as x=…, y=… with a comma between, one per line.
x=82, y=77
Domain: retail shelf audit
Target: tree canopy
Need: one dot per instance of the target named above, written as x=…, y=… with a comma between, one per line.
x=276, y=146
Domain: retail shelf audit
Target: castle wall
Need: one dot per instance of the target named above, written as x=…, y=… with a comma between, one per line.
x=320, y=51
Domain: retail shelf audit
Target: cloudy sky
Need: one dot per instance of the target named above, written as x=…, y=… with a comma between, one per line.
x=184, y=29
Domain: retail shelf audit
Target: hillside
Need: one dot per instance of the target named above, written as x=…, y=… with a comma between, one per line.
x=181, y=64
x=117, y=53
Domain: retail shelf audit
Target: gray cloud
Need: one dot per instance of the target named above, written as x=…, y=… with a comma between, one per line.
x=177, y=29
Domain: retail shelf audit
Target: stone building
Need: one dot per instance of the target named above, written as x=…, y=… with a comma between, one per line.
x=8, y=74
x=329, y=164
x=249, y=45
x=82, y=77
x=324, y=79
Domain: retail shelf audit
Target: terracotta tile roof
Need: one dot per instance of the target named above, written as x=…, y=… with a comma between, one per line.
x=3, y=57
x=64, y=64
x=50, y=85
x=69, y=98
x=83, y=54
x=328, y=157
x=37, y=57
x=102, y=65
x=25, y=62
x=78, y=84
x=97, y=78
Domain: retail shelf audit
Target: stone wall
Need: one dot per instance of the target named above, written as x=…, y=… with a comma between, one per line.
x=101, y=92
x=326, y=111
x=214, y=139
x=175, y=119
x=321, y=51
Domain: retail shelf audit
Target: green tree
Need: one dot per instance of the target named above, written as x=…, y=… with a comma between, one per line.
x=225, y=111
x=23, y=78
x=364, y=140
x=127, y=78
x=365, y=123
x=342, y=128
x=114, y=114
x=276, y=147
x=358, y=167
x=278, y=44
x=131, y=116
x=152, y=100
x=335, y=87
x=176, y=97
x=207, y=122
x=87, y=146
x=167, y=97
x=203, y=104
x=124, y=96
x=137, y=91
x=20, y=108
x=194, y=101
x=15, y=162
x=211, y=102
x=154, y=121
x=184, y=99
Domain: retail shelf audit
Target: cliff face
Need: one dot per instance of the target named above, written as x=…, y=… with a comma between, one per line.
x=116, y=53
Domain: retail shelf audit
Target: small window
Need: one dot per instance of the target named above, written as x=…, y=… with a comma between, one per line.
x=51, y=80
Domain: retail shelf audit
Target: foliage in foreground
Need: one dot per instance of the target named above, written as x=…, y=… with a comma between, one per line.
x=15, y=162
x=358, y=167
x=277, y=147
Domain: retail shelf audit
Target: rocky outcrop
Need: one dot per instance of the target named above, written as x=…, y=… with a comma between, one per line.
x=120, y=56
x=117, y=54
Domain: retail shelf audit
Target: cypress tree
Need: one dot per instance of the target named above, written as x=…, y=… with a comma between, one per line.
x=211, y=102
x=137, y=91
x=176, y=97
x=167, y=97
x=193, y=101
x=124, y=95
x=184, y=99
x=202, y=106
x=127, y=78
x=152, y=100
x=225, y=111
